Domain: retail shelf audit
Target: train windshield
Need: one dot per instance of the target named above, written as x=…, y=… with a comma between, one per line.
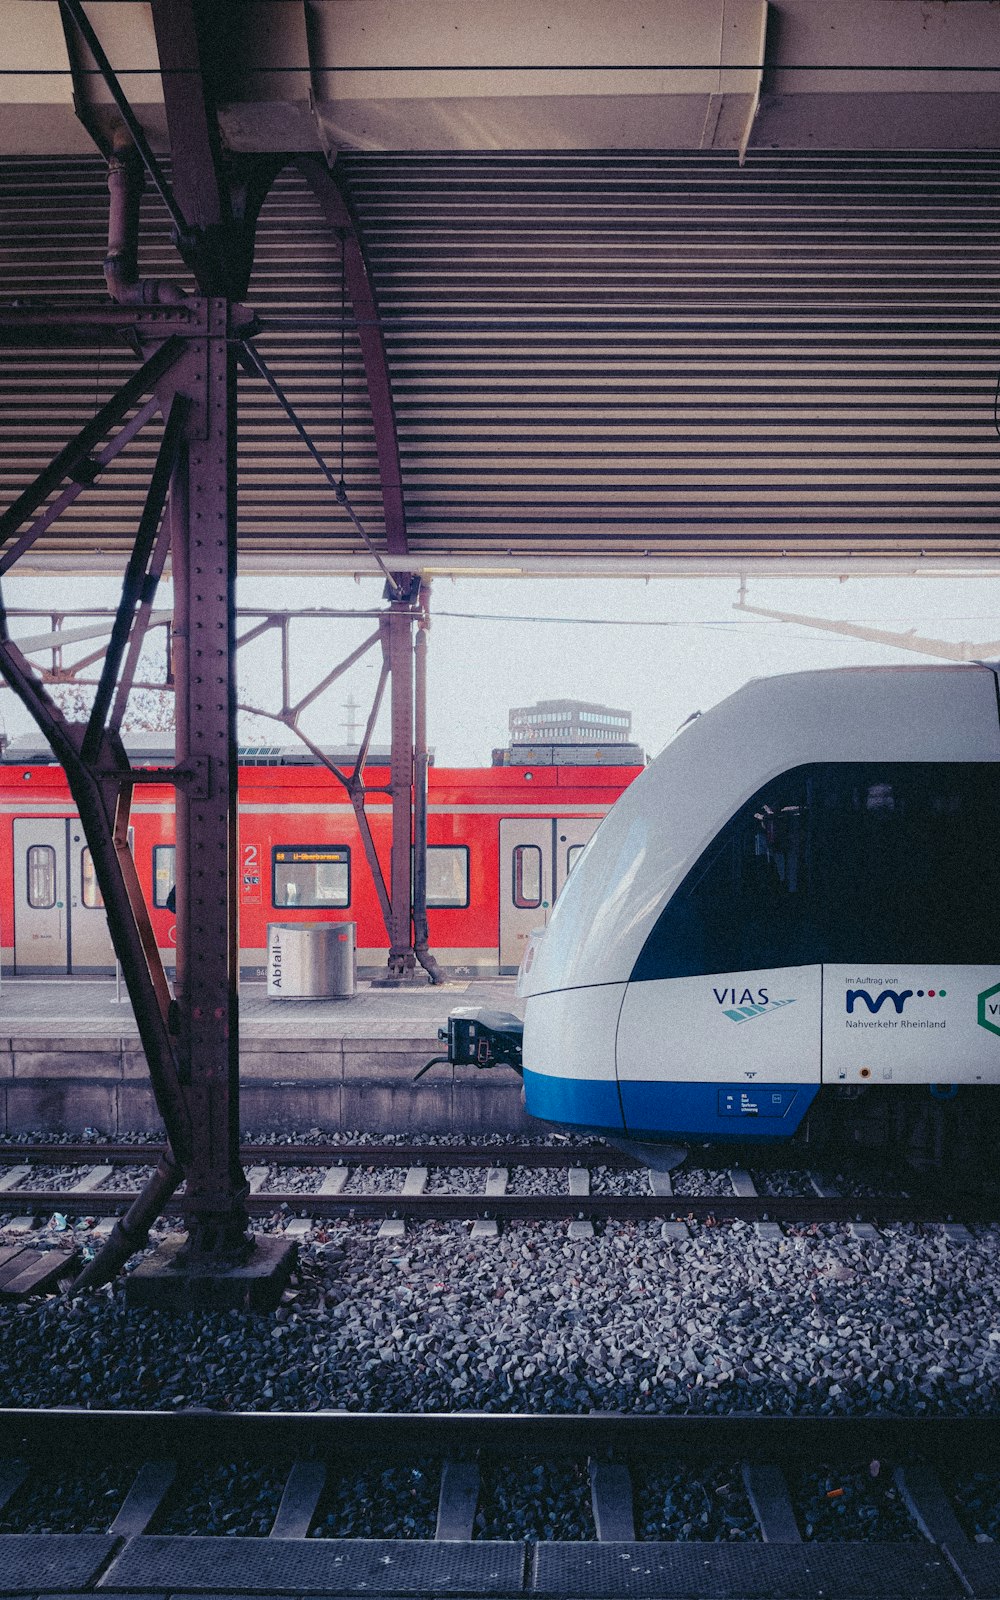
x=891, y=862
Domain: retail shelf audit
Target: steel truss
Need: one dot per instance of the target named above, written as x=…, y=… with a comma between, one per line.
x=190, y=1038
x=403, y=901
x=189, y=346
x=406, y=923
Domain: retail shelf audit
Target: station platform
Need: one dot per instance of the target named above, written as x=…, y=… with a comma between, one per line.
x=70, y=1060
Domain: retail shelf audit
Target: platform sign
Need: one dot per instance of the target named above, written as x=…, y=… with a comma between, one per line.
x=250, y=887
x=276, y=962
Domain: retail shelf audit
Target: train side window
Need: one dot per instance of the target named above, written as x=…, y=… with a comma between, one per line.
x=41, y=877
x=527, y=875
x=573, y=854
x=164, y=874
x=857, y=862
x=904, y=875
x=448, y=875
x=312, y=877
x=90, y=892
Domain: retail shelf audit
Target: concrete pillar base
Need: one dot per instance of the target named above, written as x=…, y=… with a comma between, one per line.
x=167, y=1283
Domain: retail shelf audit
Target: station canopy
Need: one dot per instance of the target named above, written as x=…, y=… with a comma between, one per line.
x=663, y=286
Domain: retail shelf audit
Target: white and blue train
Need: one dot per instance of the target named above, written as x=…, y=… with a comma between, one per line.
x=796, y=904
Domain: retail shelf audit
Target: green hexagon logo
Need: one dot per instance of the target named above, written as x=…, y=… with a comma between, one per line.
x=983, y=1018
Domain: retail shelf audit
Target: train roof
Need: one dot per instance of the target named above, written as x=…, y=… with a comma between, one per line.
x=156, y=749
x=30, y=749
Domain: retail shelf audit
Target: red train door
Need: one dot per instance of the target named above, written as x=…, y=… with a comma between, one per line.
x=59, y=919
x=536, y=858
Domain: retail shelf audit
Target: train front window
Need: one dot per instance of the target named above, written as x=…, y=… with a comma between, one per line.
x=875, y=862
x=527, y=873
x=90, y=892
x=311, y=877
x=41, y=877
x=164, y=874
x=447, y=875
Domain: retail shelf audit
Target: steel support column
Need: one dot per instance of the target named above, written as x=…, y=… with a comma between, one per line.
x=203, y=536
x=408, y=939
x=421, y=761
x=402, y=961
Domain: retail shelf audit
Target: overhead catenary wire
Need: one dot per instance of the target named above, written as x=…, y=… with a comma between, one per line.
x=657, y=622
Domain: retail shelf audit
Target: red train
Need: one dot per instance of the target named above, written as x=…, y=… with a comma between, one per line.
x=501, y=841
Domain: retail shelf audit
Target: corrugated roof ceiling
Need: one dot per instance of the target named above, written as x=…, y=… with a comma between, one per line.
x=615, y=353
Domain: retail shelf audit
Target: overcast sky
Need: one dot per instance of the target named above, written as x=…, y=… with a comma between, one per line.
x=481, y=666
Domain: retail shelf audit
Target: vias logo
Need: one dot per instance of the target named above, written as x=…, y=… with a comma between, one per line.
x=744, y=1005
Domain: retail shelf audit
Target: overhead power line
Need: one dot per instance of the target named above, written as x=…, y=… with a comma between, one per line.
x=656, y=622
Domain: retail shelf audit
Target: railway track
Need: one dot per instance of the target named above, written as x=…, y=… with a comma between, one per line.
x=816, y=1203
x=86, y=1195
x=913, y=1474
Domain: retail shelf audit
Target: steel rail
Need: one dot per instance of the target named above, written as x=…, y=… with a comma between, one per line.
x=361, y=1155
x=92, y=1434
x=712, y=1209
x=516, y=1153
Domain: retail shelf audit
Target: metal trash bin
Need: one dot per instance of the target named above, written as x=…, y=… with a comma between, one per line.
x=311, y=960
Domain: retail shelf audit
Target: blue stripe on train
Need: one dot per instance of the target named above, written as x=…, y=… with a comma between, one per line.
x=586, y=1102
x=722, y=1110
x=681, y=1110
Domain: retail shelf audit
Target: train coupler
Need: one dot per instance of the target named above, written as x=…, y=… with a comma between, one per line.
x=477, y=1037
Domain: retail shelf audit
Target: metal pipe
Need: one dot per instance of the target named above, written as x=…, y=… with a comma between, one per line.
x=121, y=264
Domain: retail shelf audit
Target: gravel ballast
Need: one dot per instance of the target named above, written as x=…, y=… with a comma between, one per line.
x=816, y=1321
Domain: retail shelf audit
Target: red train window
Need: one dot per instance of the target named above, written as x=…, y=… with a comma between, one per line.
x=311, y=876
x=90, y=892
x=164, y=874
x=41, y=877
x=447, y=875
x=527, y=876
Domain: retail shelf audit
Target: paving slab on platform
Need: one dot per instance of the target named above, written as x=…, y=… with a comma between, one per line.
x=52, y=1013
x=198, y=1565
x=703, y=1571
x=980, y=1566
x=49, y=1013
x=51, y=1563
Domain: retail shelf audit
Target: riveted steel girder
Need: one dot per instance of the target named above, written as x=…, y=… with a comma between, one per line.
x=337, y=210
x=203, y=539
